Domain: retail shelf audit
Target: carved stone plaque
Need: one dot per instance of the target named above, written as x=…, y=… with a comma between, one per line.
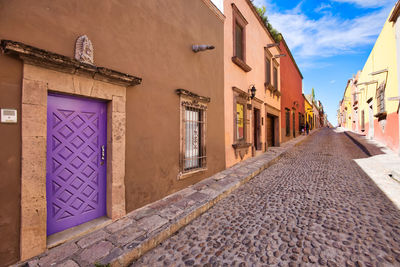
x=84, y=50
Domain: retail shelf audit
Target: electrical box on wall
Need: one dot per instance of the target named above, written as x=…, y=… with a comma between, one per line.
x=8, y=115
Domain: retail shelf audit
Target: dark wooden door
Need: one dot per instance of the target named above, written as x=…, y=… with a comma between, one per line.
x=257, y=129
x=294, y=124
x=270, y=131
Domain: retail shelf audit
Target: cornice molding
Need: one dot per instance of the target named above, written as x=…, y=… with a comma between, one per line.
x=186, y=93
x=42, y=58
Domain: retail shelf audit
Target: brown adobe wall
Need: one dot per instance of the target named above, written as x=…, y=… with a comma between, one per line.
x=10, y=161
x=150, y=39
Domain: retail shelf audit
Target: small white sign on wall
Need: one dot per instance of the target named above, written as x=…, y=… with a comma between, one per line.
x=8, y=115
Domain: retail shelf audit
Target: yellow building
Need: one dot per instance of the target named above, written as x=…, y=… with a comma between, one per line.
x=309, y=114
x=376, y=91
x=347, y=103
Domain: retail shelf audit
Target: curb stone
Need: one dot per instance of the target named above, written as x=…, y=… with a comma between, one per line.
x=128, y=238
x=358, y=144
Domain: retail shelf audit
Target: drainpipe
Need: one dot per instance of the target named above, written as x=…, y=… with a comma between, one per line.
x=397, y=27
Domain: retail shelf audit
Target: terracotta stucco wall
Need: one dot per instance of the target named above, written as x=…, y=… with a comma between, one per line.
x=151, y=39
x=256, y=39
x=291, y=82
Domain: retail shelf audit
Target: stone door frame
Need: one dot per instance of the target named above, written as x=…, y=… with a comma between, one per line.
x=37, y=82
x=45, y=72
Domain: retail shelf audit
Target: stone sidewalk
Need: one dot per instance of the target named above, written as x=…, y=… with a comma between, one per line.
x=125, y=240
x=382, y=165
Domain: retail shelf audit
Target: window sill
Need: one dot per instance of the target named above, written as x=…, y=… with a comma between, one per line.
x=272, y=89
x=184, y=175
x=241, y=149
x=381, y=115
x=241, y=64
x=269, y=86
x=241, y=145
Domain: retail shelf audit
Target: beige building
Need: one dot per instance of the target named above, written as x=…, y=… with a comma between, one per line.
x=252, y=83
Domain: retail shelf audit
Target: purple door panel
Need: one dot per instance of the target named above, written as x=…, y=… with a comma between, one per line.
x=76, y=166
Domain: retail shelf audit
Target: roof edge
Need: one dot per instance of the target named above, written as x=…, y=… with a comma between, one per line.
x=395, y=13
x=260, y=20
x=291, y=56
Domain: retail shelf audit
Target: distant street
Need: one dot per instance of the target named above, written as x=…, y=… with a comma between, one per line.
x=314, y=207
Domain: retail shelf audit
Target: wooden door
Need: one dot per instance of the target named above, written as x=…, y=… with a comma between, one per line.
x=270, y=131
x=294, y=124
x=257, y=129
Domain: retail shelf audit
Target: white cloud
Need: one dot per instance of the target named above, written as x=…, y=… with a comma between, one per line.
x=328, y=35
x=366, y=3
x=323, y=7
x=333, y=81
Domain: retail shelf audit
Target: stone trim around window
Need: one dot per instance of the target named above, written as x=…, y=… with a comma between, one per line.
x=189, y=99
x=241, y=146
x=268, y=83
x=241, y=64
x=36, y=84
x=238, y=18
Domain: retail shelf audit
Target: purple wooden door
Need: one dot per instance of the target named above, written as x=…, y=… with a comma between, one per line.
x=76, y=167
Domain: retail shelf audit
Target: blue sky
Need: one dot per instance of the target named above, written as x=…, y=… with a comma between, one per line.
x=329, y=39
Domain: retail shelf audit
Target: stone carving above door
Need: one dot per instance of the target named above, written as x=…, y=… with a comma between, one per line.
x=84, y=50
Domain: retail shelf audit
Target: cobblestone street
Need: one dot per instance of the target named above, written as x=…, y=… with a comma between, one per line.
x=315, y=206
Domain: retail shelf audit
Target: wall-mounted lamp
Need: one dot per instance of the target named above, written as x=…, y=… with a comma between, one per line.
x=198, y=48
x=272, y=45
x=252, y=91
x=281, y=55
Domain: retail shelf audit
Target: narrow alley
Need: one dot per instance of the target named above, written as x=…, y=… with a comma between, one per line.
x=314, y=206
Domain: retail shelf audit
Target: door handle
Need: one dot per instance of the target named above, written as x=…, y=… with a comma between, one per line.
x=103, y=153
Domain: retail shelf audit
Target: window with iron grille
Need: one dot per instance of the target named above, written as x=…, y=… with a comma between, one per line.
x=381, y=98
x=362, y=120
x=287, y=116
x=276, y=78
x=194, y=138
x=193, y=128
x=267, y=71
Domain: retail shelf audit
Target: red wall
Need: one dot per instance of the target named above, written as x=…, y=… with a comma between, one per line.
x=291, y=89
x=390, y=137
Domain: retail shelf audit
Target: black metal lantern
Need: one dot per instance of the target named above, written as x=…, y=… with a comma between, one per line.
x=253, y=92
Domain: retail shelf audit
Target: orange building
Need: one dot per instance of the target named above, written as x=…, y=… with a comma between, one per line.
x=252, y=83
